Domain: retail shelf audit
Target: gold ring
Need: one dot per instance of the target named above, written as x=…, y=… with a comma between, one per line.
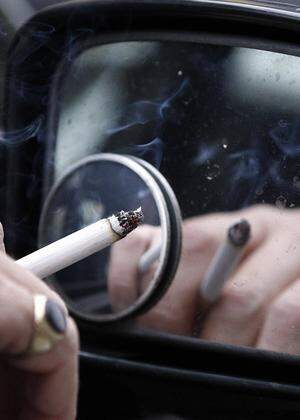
x=50, y=324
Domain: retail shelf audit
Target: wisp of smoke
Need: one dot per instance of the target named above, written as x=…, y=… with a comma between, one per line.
x=16, y=137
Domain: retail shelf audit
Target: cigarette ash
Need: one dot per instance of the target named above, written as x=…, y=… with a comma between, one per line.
x=125, y=222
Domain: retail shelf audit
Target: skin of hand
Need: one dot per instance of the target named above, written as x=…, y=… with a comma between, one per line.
x=260, y=303
x=40, y=387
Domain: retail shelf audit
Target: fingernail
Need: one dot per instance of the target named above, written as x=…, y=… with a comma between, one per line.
x=56, y=317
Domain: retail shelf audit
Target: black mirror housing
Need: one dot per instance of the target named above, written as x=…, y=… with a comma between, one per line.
x=148, y=362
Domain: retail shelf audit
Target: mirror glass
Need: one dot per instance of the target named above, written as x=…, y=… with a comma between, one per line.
x=222, y=125
x=95, y=189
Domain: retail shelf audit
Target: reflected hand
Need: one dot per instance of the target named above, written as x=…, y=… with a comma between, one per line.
x=260, y=304
x=39, y=387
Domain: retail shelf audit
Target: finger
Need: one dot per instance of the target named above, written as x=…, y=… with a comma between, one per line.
x=177, y=310
x=2, y=247
x=24, y=278
x=16, y=317
x=237, y=317
x=53, y=376
x=123, y=273
x=281, y=330
x=52, y=387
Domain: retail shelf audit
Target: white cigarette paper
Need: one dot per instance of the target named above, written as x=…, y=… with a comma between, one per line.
x=81, y=244
x=226, y=259
x=149, y=257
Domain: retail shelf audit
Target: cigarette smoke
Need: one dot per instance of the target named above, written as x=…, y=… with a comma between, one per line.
x=16, y=137
x=248, y=171
x=39, y=36
x=151, y=115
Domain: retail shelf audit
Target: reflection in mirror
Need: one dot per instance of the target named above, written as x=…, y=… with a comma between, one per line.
x=222, y=125
x=92, y=190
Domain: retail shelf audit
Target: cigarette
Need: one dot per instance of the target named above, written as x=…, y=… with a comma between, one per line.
x=81, y=244
x=149, y=257
x=226, y=259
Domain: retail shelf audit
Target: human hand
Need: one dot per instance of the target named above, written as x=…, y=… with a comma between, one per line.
x=259, y=305
x=39, y=387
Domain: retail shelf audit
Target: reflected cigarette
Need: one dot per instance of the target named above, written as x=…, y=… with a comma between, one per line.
x=149, y=257
x=226, y=259
x=81, y=244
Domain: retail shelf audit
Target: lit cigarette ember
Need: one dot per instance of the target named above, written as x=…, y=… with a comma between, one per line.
x=81, y=244
x=239, y=233
x=125, y=222
x=226, y=259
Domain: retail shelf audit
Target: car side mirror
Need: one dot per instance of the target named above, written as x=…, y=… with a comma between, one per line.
x=206, y=92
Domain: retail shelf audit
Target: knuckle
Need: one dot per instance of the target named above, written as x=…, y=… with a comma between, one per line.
x=122, y=296
x=196, y=238
x=145, y=233
x=138, y=239
x=244, y=302
x=287, y=311
x=262, y=209
x=162, y=318
x=264, y=213
x=118, y=289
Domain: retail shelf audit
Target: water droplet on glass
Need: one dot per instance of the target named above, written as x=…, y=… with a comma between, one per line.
x=180, y=73
x=142, y=194
x=296, y=181
x=281, y=202
x=213, y=171
x=259, y=191
x=224, y=145
x=283, y=123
